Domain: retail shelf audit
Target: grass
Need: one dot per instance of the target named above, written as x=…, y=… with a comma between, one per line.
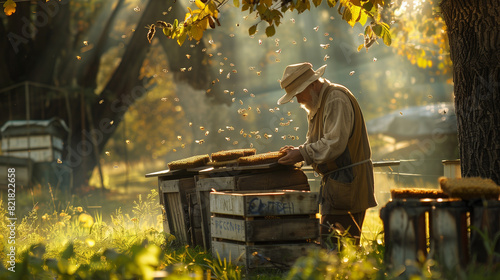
x=98, y=236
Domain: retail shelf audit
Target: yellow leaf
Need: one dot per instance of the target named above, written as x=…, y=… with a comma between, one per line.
x=252, y=30
x=360, y=47
x=197, y=30
x=268, y=3
x=180, y=34
x=9, y=7
x=270, y=31
x=200, y=4
x=181, y=38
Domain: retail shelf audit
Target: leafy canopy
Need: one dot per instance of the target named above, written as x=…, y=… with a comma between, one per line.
x=271, y=11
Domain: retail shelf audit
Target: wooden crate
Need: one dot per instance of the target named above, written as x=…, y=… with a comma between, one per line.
x=264, y=228
x=263, y=177
x=281, y=256
x=264, y=203
x=173, y=196
x=282, y=228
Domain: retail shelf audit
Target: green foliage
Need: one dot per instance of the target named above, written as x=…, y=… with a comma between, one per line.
x=271, y=11
x=64, y=246
x=224, y=269
x=420, y=34
x=72, y=244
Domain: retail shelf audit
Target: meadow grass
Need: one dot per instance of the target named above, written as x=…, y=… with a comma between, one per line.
x=97, y=236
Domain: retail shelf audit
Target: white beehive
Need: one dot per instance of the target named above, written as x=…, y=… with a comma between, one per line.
x=40, y=140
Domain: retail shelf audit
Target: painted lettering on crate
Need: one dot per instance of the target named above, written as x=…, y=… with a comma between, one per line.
x=257, y=206
x=228, y=225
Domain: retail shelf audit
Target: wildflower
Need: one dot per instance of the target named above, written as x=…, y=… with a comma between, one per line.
x=90, y=242
x=171, y=238
x=85, y=220
x=79, y=209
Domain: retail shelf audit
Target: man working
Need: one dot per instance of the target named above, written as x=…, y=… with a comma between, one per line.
x=337, y=147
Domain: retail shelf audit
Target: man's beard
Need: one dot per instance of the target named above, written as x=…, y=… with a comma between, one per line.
x=311, y=104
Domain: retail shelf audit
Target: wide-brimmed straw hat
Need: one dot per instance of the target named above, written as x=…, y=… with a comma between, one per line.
x=296, y=78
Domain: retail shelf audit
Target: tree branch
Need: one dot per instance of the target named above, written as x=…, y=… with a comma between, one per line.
x=90, y=68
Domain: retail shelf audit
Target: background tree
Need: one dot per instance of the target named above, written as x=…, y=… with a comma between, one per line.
x=61, y=44
x=474, y=43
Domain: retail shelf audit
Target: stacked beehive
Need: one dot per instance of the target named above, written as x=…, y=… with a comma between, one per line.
x=246, y=173
x=186, y=186
x=263, y=229
x=436, y=223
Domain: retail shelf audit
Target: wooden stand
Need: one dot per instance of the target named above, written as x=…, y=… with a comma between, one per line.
x=450, y=231
x=485, y=226
x=405, y=232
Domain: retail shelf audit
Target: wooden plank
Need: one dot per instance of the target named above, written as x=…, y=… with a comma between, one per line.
x=178, y=217
x=236, y=170
x=179, y=173
x=203, y=188
x=266, y=203
x=170, y=186
x=262, y=256
x=448, y=232
x=405, y=232
x=485, y=220
x=280, y=179
x=166, y=173
x=195, y=220
x=263, y=230
x=216, y=183
x=174, y=194
x=203, y=201
x=227, y=228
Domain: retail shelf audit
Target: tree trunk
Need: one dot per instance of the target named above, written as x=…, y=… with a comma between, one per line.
x=121, y=91
x=474, y=38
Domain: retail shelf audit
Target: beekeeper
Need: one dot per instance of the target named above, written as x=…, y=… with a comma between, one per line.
x=336, y=146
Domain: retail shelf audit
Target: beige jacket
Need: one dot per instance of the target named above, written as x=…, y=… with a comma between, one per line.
x=337, y=139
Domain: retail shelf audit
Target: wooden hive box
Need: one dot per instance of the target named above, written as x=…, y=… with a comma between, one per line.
x=174, y=198
x=248, y=178
x=177, y=191
x=263, y=229
x=264, y=203
x=40, y=140
x=281, y=256
x=405, y=232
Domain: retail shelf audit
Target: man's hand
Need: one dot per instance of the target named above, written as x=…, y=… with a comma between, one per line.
x=286, y=148
x=293, y=155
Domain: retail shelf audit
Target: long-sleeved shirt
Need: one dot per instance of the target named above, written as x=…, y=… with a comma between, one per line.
x=337, y=146
x=338, y=123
